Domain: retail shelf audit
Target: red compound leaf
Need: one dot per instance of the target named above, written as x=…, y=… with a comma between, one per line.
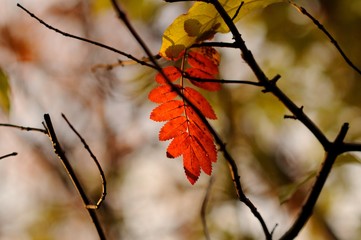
x=189, y=135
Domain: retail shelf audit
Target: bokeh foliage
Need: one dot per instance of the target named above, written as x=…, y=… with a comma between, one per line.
x=148, y=197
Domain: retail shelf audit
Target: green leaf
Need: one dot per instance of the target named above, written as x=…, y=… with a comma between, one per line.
x=201, y=23
x=287, y=191
x=4, y=92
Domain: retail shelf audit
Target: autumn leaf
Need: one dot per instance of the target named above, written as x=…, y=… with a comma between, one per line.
x=200, y=74
x=202, y=22
x=162, y=94
x=173, y=128
x=171, y=72
x=200, y=102
x=189, y=135
x=206, y=60
x=167, y=111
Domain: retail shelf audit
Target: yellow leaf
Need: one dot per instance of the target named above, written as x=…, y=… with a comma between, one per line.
x=4, y=92
x=201, y=23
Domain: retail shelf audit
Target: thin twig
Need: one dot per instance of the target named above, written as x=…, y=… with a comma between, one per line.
x=120, y=63
x=214, y=44
x=307, y=208
x=23, y=128
x=324, y=30
x=237, y=11
x=61, y=155
x=351, y=147
x=85, y=39
x=8, y=155
x=101, y=172
x=204, y=208
x=223, y=81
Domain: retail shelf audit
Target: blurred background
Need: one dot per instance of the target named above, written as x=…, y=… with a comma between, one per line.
x=148, y=194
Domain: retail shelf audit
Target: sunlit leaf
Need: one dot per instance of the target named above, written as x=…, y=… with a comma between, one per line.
x=200, y=102
x=162, y=94
x=191, y=165
x=4, y=92
x=171, y=72
x=201, y=23
x=178, y=145
x=173, y=128
x=167, y=111
x=206, y=60
x=200, y=74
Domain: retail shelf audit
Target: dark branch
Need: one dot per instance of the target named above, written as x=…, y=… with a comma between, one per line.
x=307, y=208
x=214, y=44
x=237, y=11
x=8, y=155
x=23, y=128
x=270, y=84
x=223, y=81
x=61, y=155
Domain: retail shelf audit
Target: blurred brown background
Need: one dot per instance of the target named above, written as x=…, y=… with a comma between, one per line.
x=148, y=194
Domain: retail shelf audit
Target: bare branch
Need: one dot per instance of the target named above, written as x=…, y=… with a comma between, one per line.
x=68, y=168
x=223, y=81
x=332, y=39
x=101, y=172
x=307, y=208
x=8, y=155
x=23, y=128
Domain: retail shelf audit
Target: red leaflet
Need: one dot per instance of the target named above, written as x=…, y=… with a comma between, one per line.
x=198, y=73
x=208, y=53
x=162, y=94
x=202, y=62
x=173, y=128
x=191, y=165
x=178, y=145
x=171, y=72
x=189, y=135
x=200, y=102
x=167, y=111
